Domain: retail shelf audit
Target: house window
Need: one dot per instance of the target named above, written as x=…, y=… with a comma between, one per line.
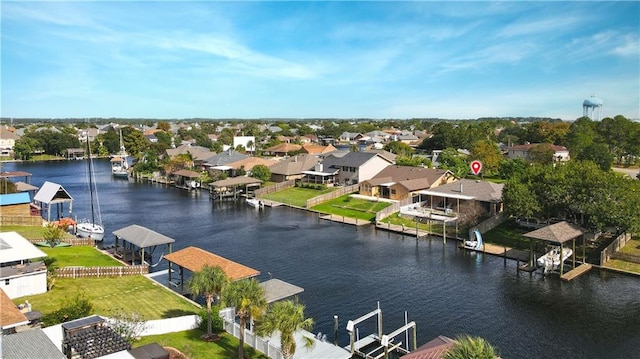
x=6, y=282
x=393, y=191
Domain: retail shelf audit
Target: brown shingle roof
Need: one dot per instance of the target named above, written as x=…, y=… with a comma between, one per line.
x=558, y=233
x=193, y=259
x=412, y=178
x=294, y=165
x=10, y=316
x=249, y=162
x=284, y=148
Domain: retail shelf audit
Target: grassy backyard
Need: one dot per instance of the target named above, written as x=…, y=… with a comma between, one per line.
x=432, y=227
x=351, y=207
x=133, y=293
x=295, y=196
x=84, y=256
x=30, y=232
x=190, y=344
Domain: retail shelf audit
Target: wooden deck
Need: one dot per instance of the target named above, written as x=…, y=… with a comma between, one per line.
x=576, y=272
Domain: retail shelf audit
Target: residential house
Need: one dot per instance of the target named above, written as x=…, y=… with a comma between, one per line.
x=350, y=137
x=400, y=182
x=561, y=153
x=221, y=161
x=248, y=163
x=320, y=175
x=317, y=149
x=304, y=139
x=356, y=167
x=86, y=133
x=10, y=316
x=199, y=154
x=293, y=167
x=7, y=142
x=21, y=274
x=469, y=199
x=248, y=142
x=283, y=149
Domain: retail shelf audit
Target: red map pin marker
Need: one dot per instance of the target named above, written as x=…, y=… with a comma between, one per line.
x=476, y=167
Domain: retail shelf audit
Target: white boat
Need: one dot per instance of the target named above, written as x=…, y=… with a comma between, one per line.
x=119, y=163
x=91, y=228
x=255, y=203
x=551, y=260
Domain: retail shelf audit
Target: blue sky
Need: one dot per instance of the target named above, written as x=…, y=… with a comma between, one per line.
x=318, y=59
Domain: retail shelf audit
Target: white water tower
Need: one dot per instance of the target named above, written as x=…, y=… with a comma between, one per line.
x=592, y=108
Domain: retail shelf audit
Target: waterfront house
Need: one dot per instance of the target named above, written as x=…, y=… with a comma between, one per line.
x=468, y=199
x=21, y=273
x=7, y=142
x=10, y=316
x=219, y=162
x=199, y=154
x=400, y=182
x=355, y=167
x=293, y=167
x=560, y=153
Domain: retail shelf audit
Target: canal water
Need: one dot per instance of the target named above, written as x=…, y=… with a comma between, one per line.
x=347, y=271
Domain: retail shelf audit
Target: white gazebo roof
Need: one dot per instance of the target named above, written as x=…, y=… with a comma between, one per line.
x=14, y=247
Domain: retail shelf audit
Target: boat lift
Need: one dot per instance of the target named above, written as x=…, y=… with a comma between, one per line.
x=385, y=341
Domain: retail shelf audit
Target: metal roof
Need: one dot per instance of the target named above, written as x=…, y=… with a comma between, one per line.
x=52, y=193
x=142, y=237
x=276, y=289
x=15, y=247
x=14, y=198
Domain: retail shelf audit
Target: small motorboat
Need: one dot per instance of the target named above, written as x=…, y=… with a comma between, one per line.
x=255, y=203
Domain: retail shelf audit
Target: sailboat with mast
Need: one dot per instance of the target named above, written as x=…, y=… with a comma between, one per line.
x=119, y=163
x=91, y=228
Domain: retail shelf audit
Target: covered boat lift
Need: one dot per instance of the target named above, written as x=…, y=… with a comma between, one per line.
x=557, y=234
x=142, y=238
x=232, y=187
x=194, y=258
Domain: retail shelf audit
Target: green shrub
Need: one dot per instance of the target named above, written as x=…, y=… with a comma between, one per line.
x=79, y=307
x=217, y=324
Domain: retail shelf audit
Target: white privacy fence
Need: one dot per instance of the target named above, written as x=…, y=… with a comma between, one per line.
x=250, y=338
x=171, y=325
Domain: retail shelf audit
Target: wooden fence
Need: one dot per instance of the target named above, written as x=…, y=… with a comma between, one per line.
x=332, y=195
x=92, y=272
x=614, y=247
x=275, y=188
x=7, y=220
x=393, y=208
x=74, y=241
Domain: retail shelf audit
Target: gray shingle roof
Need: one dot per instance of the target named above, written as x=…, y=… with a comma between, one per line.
x=142, y=237
x=483, y=191
x=30, y=344
x=351, y=159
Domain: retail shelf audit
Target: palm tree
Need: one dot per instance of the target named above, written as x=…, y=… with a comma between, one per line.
x=468, y=347
x=247, y=297
x=287, y=318
x=210, y=282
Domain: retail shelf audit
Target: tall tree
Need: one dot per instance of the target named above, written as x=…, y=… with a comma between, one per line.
x=399, y=148
x=489, y=154
x=285, y=317
x=247, y=297
x=209, y=282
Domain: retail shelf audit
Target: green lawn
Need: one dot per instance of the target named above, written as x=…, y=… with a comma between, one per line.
x=29, y=232
x=133, y=293
x=632, y=247
x=433, y=227
x=351, y=207
x=295, y=196
x=623, y=265
x=508, y=234
x=85, y=256
x=190, y=344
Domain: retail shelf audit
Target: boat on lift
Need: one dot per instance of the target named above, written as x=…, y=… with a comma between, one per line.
x=551, y=260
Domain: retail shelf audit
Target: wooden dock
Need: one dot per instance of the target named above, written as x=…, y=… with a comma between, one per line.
x=576, y=272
